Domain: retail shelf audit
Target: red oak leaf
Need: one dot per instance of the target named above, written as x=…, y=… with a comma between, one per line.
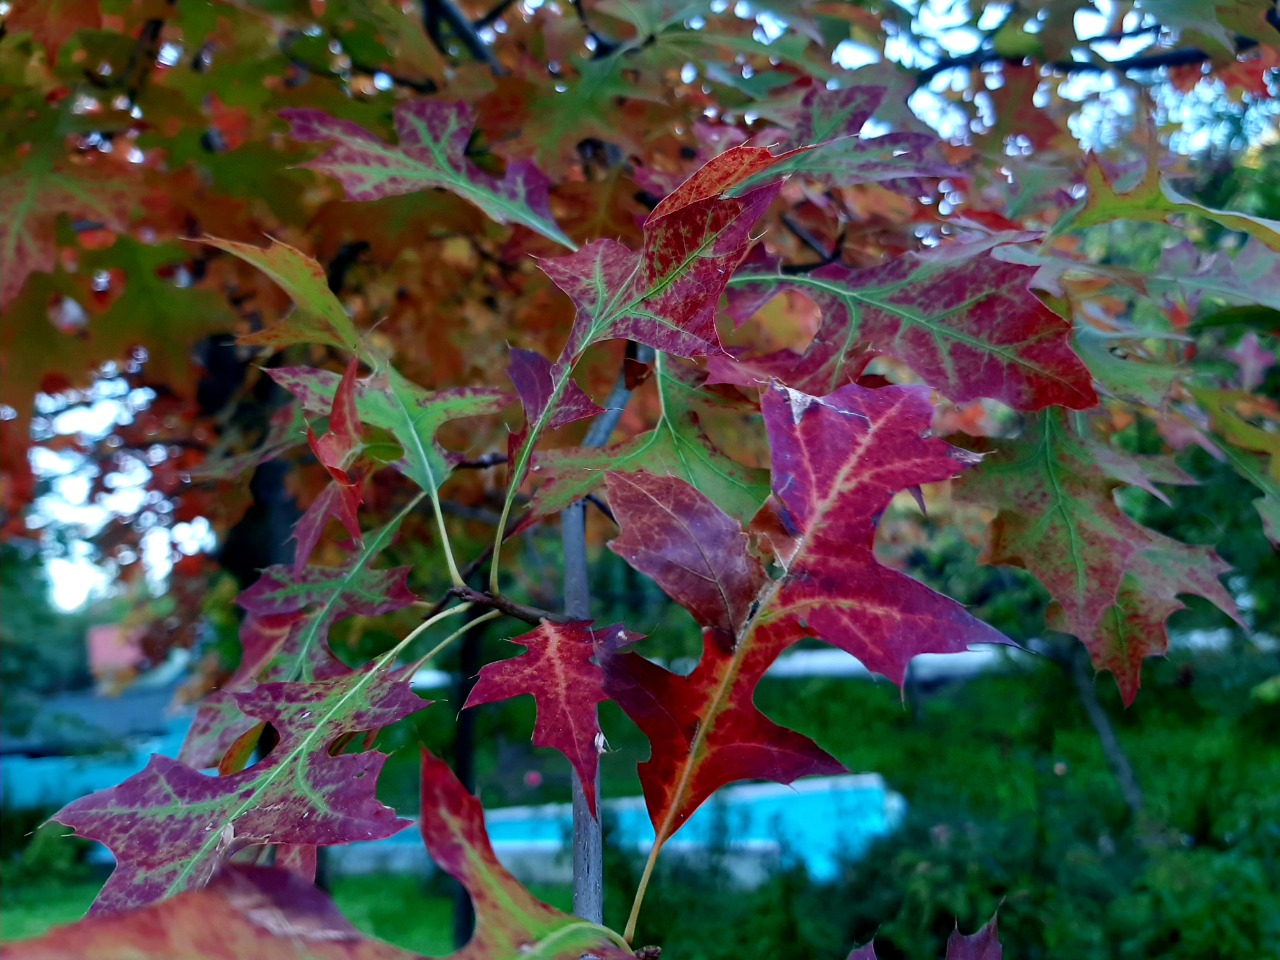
x=837, y=462
x=335, y=451
x=565, y=683
x=510, y=922
x=964, y=321
x=688, y=545
x=1112, y=581
x=666, y=295
x=534, y=380
x=983, y=945
x=704, y=729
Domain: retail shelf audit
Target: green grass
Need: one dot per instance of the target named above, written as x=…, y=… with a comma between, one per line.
x=29, y=909
x=399, y=909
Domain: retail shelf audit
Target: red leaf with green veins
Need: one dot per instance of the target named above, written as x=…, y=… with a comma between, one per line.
x=677, y=446
x=339, y=591
x=337, y=500
x=33, y=196
x=510, y=921
x=243, y=912
x=687, y=545
x=318, y=317
x=431, y=154
x=837, y=462
x=964, y=321
x=1058, y=518
x=666, y=295
x=566, y=685
x=170, y=826
x=1134, y=627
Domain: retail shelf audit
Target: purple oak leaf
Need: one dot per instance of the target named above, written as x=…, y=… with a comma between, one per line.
x=170, y=826
x=431, y=154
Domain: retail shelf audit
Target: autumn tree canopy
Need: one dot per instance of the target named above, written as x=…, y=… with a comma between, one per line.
x=749, y=278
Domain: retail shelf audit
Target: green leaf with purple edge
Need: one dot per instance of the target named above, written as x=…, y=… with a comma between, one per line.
x=389, y=401
x=677, y=446
x=431, y=153
x=510, y=922
x=1057, y=517
x=318, y=316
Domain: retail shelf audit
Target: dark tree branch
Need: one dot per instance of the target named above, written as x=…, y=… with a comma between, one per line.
x=436, y=12
x=1083, y=678
x=493, y=15
x=1185, y=57
x=600, y=505
x=511, y=608
x=482, y=463
x=604, y=46
x=810, y=241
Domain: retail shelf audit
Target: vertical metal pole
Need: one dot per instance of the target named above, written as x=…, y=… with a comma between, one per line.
x=588, y=844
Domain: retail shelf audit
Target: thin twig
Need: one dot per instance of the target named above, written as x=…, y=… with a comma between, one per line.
x=482, y=463
x=511, y=608
x=810, y=241
x=603, y=507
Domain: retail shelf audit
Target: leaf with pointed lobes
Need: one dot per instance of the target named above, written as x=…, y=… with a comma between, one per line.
x=510, y=922
x=170, y=826
x=340, y=591
x=1112, y=581
x=837, y=463
x=431, y=153
x=342, y=497
x=964, y=321
x=566, y=684
x=704, y=729
x=243, y=912
x=983, y=945
x=690, y=547
x=1154, y=201
x=532, y=375
x=340, y=444
x=389, y=401
x=666, y=295
x=287, y=429
x=677, y=446
x=318, y=315
x=828, y=146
